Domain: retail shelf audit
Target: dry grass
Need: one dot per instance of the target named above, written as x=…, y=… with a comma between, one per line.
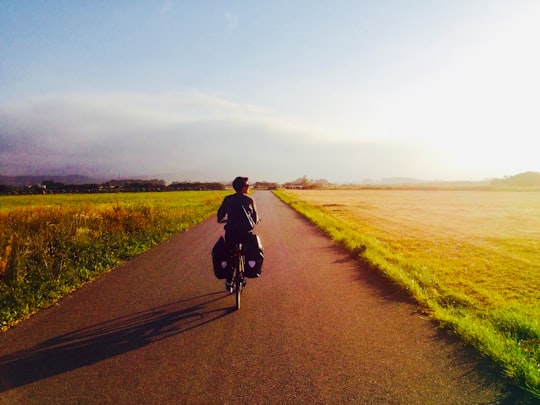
x=485, y=243
x=52, y=244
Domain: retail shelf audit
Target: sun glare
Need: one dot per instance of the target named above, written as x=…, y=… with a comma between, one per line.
x=477, y=106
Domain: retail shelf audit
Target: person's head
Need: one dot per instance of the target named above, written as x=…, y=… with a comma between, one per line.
x=240, y=184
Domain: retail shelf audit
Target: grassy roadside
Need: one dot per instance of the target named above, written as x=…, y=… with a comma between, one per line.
x=504, y=330
x=51, y=245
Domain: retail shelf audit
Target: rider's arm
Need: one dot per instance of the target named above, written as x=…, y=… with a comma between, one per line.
x=254, y=214
x=222, y=211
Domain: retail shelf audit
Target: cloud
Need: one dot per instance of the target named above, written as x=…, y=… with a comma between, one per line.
x=177, y=136
x=133, y=134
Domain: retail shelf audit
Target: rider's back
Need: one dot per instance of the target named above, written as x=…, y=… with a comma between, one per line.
x=240, y=211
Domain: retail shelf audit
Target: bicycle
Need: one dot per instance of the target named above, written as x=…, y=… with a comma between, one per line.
x=237, y=260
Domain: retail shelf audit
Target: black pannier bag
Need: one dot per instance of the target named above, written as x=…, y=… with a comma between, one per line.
x=220, y=259
x=254, y=257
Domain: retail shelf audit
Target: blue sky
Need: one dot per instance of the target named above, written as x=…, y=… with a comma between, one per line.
x=208, y=90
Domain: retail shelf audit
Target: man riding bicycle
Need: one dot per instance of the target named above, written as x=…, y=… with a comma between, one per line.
x=241, y=213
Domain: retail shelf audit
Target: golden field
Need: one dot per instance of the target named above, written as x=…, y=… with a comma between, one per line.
x=52, y=244
x=484, y=243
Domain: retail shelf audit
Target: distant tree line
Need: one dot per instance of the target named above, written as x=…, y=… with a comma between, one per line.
x=266, y=185
x=305, y=183
x=184, y=186
x=129, y=185
x=138, y=185
x=527, y=179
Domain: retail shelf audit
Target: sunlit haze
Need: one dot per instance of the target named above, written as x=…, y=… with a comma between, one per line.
x=345, y=90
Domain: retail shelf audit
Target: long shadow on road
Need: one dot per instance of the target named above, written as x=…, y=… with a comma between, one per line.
x=101, y=341
x=465, y=355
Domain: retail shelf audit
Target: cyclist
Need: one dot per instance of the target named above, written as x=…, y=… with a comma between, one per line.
x=241, y=213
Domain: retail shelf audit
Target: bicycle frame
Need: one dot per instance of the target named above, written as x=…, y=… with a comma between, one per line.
x=239, y=281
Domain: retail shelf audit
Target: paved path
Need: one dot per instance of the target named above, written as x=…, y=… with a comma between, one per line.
x=316, y=328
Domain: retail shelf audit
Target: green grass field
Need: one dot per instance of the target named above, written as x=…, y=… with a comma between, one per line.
x=469, y=257
x=52, y=244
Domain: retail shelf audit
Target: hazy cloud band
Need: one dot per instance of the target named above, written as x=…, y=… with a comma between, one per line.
x=185, y=135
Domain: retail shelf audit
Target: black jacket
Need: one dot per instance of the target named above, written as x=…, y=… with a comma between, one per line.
x=235, y=207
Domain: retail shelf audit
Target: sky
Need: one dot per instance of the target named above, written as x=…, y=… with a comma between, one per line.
x=207, y=90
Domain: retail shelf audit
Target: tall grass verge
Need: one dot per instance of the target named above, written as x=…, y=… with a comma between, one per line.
x=51, y=247
x=508, y=333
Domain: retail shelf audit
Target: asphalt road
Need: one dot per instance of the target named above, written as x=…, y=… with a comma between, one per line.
x=317, y=327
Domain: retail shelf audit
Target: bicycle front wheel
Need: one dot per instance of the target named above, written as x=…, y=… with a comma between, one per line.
x=239, y=282
x=238, y=295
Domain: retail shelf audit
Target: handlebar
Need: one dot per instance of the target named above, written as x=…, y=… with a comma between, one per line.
x=224, y=221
